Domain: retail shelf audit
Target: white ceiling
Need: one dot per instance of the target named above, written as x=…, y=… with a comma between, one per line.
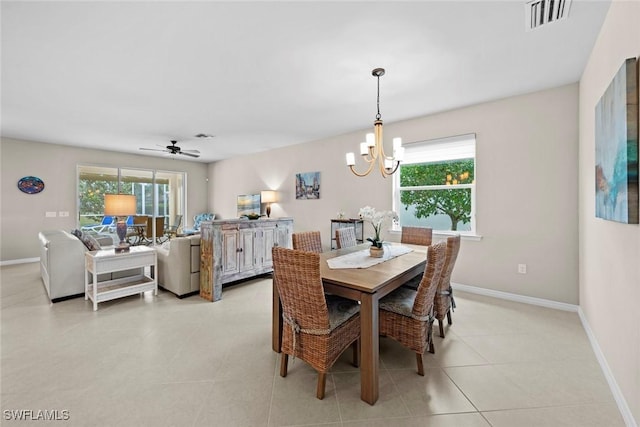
x=258, y=75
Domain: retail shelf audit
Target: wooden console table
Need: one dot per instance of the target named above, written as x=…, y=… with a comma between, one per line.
x=108, y=261
x=238, y=249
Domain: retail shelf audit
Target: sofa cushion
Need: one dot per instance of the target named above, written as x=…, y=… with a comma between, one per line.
x=195, y=259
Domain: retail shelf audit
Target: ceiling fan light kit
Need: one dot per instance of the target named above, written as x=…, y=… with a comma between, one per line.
x=372, y=150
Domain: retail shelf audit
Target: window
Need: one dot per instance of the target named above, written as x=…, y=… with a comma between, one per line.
x=158, y=193
x=435, y=185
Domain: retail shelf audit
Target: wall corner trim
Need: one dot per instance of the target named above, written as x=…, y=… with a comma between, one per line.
x=623, y=407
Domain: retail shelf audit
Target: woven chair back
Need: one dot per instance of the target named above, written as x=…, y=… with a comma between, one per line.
x=423, y=304
x=346, y=237
x=308, y=241
x=297, y=277
x=416, y=235
x=443, y=296
x=453, y=247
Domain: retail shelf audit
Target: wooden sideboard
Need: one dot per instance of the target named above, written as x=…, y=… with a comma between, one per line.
x=238, y=249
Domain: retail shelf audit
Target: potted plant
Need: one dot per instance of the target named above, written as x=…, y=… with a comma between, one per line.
x=377, y=220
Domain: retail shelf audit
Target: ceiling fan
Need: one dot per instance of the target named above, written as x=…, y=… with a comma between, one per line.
x=174, y=149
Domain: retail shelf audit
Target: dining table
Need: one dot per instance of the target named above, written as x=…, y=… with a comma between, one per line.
x=366, y=285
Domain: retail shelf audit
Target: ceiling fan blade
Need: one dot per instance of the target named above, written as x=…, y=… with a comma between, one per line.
x=151, y=149
x=184, y=153
x=191, y=151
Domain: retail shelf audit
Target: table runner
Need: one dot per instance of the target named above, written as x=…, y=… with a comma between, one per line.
x=362, y=259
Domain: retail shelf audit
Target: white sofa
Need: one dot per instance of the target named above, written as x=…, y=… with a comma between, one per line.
x=179, y=265
x=62, y=264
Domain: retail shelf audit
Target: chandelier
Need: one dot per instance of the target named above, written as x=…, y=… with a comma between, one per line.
x=372, y=150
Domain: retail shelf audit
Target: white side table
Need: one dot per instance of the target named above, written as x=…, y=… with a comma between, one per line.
x=108, y=261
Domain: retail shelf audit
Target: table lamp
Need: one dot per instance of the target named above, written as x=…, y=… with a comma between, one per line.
x=120, y=206
x=268, y=197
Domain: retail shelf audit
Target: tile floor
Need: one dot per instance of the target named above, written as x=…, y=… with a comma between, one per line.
x=161, y=361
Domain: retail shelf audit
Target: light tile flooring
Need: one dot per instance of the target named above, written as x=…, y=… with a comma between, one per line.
x=161, y=361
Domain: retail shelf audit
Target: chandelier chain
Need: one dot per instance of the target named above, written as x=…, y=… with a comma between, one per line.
x=378, y=116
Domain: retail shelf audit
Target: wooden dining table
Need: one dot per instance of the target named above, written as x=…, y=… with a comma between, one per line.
x=366, y=285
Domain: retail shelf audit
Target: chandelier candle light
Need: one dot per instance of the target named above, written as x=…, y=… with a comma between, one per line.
x=372, y=150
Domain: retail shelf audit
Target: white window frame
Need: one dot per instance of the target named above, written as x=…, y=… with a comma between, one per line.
x=441, y=149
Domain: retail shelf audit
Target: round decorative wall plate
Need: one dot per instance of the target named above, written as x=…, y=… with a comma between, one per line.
x=31, y=184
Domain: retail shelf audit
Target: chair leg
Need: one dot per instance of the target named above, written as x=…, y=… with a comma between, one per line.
x=284, y=360
x=430, y=345
x=449, y=316
x=355, y=348
x=440, y=324
x=420, y=365
x=322, y=380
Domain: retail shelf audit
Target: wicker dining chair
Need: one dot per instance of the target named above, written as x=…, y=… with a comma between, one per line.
x=406, y=316
x=416, y=235
x=308, y=241
x=444, y=303
x=316, y=328
x=345, y=237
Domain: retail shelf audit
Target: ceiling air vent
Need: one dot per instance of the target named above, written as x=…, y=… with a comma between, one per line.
x=542, y=12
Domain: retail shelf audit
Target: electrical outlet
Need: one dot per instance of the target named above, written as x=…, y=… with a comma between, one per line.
x=63, y=214
x=522, y=268
x=50, y=214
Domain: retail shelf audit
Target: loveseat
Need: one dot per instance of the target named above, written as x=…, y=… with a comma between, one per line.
x=62, y=264
x=179, y=265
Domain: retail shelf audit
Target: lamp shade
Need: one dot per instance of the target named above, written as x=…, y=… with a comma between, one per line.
x=268, y=196
x=119, y=204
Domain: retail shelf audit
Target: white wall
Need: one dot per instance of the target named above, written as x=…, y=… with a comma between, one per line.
x=526, y=177
x=23, y=215
x=610, y=251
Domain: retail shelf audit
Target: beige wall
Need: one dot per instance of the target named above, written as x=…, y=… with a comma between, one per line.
x=609, y=251
x=23, y=215
x=527, y=151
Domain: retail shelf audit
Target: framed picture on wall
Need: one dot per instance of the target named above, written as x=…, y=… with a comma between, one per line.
x=616, y=136
x=308, y=185
x=248, y=204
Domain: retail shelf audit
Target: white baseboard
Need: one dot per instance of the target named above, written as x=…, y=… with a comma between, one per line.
x=19, y=261
x=514, y=297
x=623, y=407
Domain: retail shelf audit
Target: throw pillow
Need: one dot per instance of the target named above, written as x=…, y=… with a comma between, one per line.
x=89, y=241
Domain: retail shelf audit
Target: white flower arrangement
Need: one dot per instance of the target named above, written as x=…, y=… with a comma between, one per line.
x=377, y=220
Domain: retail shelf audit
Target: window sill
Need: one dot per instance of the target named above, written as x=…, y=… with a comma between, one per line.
x=464, y=235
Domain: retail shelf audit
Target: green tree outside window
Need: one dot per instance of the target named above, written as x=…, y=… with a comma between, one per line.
x=439, y=200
